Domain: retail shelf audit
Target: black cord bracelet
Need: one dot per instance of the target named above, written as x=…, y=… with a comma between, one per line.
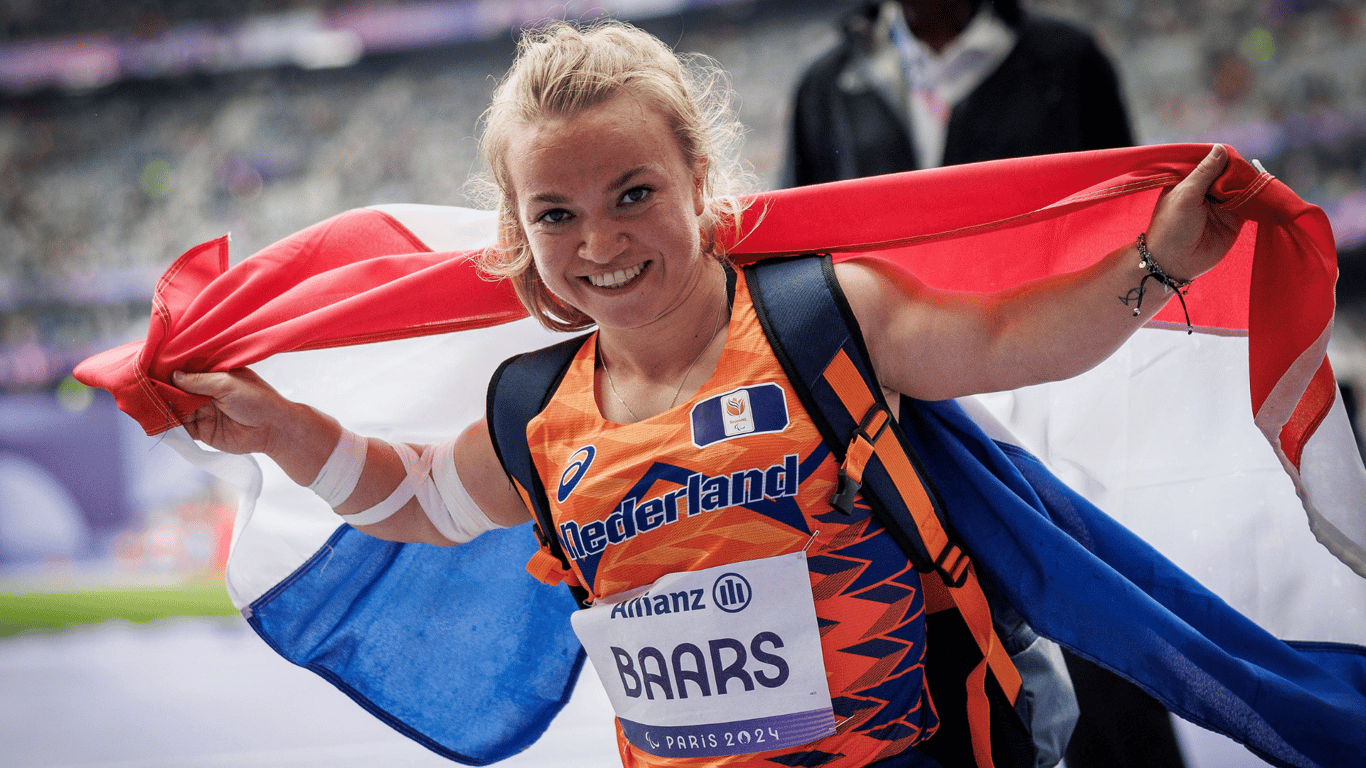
x=1155, y=272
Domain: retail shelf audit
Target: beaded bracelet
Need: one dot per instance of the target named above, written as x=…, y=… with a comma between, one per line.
x=1155, y=272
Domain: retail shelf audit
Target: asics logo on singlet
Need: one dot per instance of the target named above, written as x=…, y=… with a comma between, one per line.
x=578, y=467
x=700, y=493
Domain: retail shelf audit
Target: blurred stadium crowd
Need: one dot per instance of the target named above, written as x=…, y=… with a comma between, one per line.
x=224, y=122
x=101, y=187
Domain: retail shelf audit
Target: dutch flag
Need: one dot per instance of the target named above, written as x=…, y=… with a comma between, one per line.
x=1227, y=454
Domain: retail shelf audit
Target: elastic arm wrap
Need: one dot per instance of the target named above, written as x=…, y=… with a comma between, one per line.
x=337, y=479
x=430, y=476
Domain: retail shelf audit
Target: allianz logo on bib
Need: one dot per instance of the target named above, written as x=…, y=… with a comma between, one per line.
x=746, y=411
x=731, y=593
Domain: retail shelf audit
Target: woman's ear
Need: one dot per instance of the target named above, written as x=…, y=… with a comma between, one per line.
x=699, y=184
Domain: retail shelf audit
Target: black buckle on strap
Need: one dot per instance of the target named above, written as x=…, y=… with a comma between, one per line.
x=959, y=563
x=845, y=493
x=848, y=488
x=862, y=430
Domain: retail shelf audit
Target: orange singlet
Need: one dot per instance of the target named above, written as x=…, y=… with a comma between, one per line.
x=738, y=473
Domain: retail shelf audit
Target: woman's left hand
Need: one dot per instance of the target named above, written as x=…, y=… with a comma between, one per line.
x=1189, y=234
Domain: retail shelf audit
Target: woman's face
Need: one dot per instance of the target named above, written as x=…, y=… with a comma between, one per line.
x=611, y=211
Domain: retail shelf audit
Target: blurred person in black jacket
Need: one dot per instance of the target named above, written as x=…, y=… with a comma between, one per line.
x=924, y=83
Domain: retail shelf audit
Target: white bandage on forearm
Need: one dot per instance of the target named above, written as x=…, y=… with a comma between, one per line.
x=340, y=473
x=431, y=478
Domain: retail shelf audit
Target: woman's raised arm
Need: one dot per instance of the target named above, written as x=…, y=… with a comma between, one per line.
x=934, y=344
x=465, y=489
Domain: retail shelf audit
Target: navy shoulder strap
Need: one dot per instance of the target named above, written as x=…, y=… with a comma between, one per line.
x=809, y=323
x=816, y=337
x=520, y=389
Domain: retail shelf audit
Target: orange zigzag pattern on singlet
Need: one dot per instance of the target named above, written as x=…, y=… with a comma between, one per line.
x=867, y=596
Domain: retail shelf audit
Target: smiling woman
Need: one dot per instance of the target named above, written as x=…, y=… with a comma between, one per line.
x=686, y=453
x=563, y=72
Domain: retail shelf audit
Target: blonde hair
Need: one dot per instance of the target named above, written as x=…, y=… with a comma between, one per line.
x=562, y=69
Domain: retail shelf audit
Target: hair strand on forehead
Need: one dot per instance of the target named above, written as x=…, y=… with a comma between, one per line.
x=563, y=69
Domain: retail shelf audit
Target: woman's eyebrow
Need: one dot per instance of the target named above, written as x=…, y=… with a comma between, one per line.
x=548, y=197
x=626, y=177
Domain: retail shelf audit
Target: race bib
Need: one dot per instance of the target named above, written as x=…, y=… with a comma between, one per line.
x=725, y=661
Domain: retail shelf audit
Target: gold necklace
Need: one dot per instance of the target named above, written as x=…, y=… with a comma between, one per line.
x=613, y=386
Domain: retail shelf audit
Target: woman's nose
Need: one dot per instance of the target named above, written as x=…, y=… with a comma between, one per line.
x=602, y=242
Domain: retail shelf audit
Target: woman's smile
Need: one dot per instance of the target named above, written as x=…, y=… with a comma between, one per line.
x=619, y=278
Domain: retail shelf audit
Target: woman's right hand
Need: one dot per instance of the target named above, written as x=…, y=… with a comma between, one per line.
x=243, y=414
x=247, y=415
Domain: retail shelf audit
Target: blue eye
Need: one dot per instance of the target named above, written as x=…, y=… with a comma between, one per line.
x=636, y=195
x=554, y=216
